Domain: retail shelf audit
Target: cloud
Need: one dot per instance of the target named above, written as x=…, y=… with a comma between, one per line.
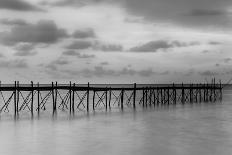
x=217, y=64
x=72, y=3
x=18, y=5
x=25, y=47
x=208, y=73
x=154, y=46
x=17, y=63
x=214, y=43
x=100, y=71
x=45, y=31
x=227, y=60
x=80, y=45
x=78, y=54
x=13, y=22
x=199, y=12
x=104, y=63
x=82, y=34
x=107, y=47
x=25, y=53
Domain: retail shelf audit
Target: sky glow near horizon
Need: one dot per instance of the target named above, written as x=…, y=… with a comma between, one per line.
x=124, y=41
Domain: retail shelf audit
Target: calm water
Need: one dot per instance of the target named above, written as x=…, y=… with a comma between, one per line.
x=182, y=130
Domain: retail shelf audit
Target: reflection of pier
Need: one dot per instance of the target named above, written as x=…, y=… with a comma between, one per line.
x=74, y=98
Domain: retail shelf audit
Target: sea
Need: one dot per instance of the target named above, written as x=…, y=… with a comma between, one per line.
x=189, y=129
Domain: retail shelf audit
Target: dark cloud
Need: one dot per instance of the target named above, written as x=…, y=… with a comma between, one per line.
x=199, y=12
x=190, y=13
x=81, y=34
x=60, y=61
x=18, y=5
x=104, y=63
x=45, y=31
x=214, y=43
x=208, y=73
x=108, y=47
x=70, y=53
x=17, y=63
x=80, y=45
x=78, y=54
x=13, y=22
x=154, y=46
x=205, y=51
x=217, y=64
x=86, y=56
x=227, y=60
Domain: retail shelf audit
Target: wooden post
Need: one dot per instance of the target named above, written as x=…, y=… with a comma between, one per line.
x=56, y=88
x=158, y=94
x=122, y=97
x=168, y=95
x=70, y=97
x=220, y=90
x=32, y=97
x=73, y=98
x=15, y=100
x=146, y=91
x=154, y=97
x=150, y=96
x=106, y=95
x=94, y=100
x=134, y=96
x=17, y=106
x=88, y=98
x=214, y=90
x=53, y=98
x=110, y=98
x=38, y=102
x=200, y=97
x=143, y=96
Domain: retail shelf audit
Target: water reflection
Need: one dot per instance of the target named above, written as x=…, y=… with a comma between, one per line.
x=182, y=129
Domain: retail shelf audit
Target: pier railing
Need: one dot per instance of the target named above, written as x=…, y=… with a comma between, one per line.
x=16, y=98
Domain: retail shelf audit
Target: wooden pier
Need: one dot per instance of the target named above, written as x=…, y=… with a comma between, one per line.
x=73, y=98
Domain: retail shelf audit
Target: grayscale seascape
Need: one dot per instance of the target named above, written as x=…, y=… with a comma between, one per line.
x=115, y=77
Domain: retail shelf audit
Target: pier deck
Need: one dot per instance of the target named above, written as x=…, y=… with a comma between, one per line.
x=74, y=98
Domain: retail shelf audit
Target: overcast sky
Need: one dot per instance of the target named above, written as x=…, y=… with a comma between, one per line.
x=115, y=41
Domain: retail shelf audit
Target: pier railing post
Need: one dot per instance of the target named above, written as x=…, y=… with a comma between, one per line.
x=106, y=96
x=88, y=98
x=38, y=102
x=17, y=105
x=110, y=97
x=73, y=98
x=122, y=97
x=32, y=98
x=94, y=99
x=53, y=98
x=15, y=99
x=70, y=97
x=134, y=96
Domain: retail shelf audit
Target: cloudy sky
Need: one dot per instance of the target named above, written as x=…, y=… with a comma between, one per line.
x=115, y=41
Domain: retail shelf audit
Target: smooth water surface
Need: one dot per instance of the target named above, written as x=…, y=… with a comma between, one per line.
x=204, y=128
